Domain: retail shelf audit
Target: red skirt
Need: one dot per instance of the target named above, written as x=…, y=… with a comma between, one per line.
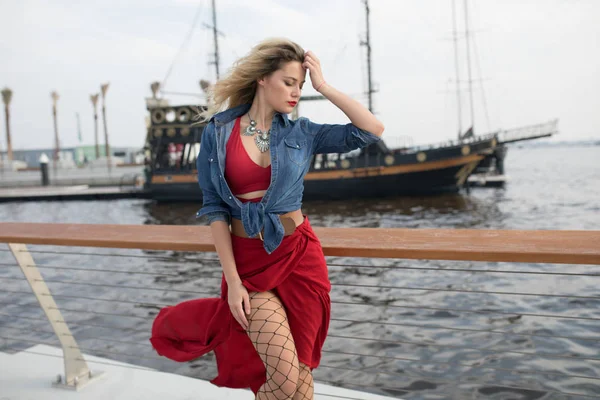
x=296, y=272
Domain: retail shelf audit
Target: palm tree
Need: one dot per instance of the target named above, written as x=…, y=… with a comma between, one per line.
x=94, y=99
x=6, y=97
x=104, y=89
x=55, y=98
x=155, y=86
x=205, y=85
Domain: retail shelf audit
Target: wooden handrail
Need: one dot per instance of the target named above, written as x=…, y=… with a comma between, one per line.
x=536, y=246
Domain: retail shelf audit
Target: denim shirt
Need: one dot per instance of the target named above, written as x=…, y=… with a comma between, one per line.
x=291, y=147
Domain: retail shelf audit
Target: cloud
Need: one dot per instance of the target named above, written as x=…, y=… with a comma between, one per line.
x=538, y=61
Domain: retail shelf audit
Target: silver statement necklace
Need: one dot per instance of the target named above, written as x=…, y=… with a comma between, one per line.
x=261, y=139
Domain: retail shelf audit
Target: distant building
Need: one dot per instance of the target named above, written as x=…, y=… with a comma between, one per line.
x=77, y=156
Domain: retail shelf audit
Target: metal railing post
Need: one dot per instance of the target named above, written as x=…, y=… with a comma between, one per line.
x=77, y=374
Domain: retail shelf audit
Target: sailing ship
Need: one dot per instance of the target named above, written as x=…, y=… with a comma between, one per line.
x=173, y=143
x=490, y=171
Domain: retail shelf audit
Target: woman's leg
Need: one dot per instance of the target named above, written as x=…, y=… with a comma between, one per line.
x=306, y=387
x=270, y=333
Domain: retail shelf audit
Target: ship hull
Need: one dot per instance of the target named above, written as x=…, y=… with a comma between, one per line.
x=373, y=182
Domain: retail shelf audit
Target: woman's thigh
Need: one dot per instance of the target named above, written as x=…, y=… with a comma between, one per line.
x=270, y=333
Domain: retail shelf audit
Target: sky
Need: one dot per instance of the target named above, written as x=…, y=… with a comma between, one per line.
x=532, y=61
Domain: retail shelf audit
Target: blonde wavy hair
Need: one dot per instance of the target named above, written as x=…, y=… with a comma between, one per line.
x=239, y=86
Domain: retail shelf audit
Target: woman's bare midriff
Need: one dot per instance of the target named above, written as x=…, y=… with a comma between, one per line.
x=296, y=215
x=252, y=195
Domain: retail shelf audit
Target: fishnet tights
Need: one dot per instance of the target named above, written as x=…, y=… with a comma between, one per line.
x=270, y=333
x=306, y=387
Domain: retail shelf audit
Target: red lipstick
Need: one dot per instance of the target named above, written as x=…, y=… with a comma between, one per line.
x=292, y=103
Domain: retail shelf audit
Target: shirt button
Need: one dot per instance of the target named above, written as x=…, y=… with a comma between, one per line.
x=229, y=197
x=210, y=159
x=298, y=146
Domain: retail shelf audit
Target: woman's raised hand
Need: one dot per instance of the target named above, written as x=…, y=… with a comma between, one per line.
x=312, y=63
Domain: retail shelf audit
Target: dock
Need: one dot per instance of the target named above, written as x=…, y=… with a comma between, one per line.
x=29, y=374
x=76, y=192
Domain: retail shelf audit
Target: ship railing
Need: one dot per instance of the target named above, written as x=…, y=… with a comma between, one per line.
x=451, y=143
x=545, y=129
x=334, y=160
x=109, y=281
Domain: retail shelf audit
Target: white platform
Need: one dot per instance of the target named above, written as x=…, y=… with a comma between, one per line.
x=485, y=180
x=28, y=376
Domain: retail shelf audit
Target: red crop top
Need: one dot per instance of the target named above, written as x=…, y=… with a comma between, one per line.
x=242, y=174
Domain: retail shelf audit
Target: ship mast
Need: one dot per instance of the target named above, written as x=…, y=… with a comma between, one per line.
x=215, y=38
x=367, y=44
x=458, y=100
x=470, y=80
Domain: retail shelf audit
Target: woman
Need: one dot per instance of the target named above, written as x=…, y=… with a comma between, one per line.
x=269, y=325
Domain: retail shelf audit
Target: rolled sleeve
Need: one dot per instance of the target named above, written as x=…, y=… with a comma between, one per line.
x=330, y=138
x=213, y=206
x=214, y=213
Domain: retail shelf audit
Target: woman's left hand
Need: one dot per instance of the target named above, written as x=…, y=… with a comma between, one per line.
x=312, y=63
